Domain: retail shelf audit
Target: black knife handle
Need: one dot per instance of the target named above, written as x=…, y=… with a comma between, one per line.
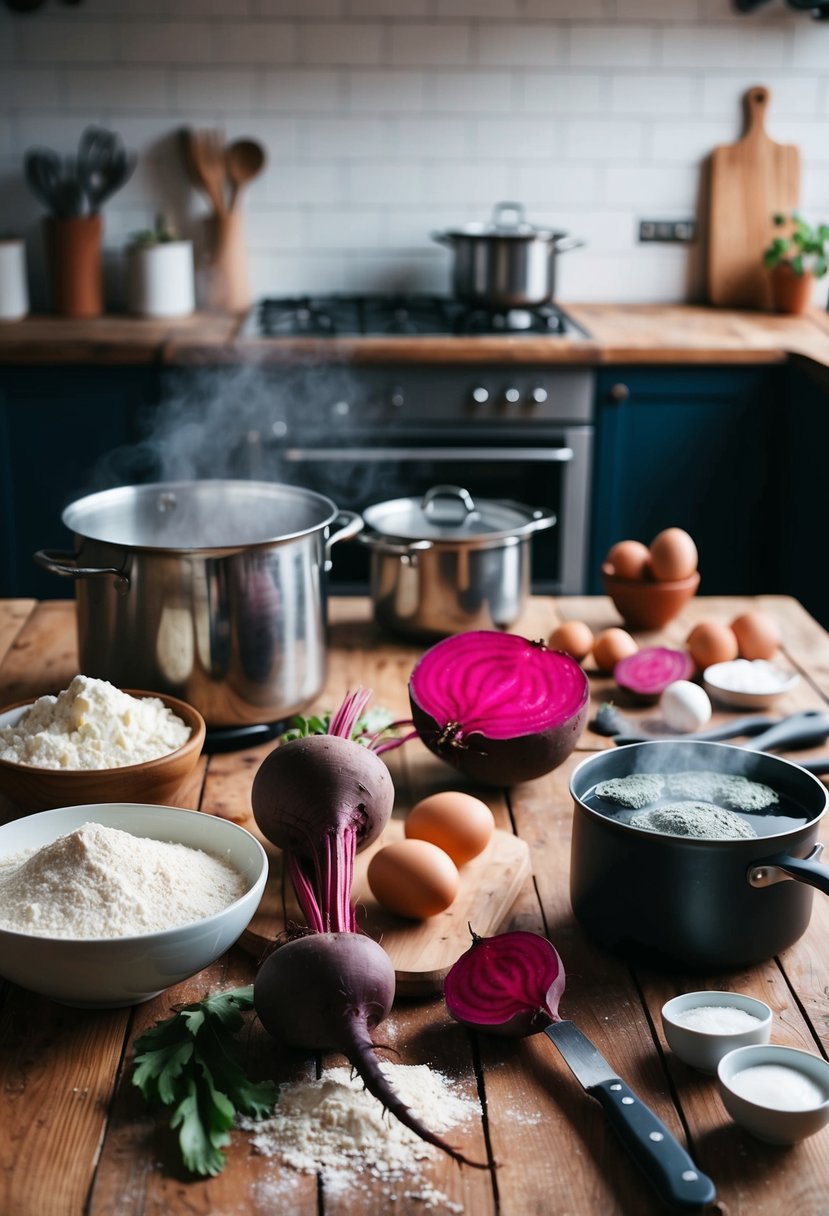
x=658, y=1153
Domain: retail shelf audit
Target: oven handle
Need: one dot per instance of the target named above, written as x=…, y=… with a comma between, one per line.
x=557, y=455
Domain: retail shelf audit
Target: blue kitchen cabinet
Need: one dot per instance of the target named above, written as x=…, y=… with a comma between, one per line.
x=803, y=462
x=64, y=432
x=698, y=448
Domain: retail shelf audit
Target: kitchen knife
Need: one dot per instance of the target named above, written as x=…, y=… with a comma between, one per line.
x=668, y=1167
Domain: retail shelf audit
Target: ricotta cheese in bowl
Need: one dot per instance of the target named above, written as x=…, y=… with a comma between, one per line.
x=92, y=725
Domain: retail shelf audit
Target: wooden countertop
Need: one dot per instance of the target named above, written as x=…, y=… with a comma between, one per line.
x=77, y=1139
x=620, y=333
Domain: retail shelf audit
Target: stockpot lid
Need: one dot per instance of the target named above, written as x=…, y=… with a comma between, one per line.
x=508, y=222
x=197, y=516
x=450, y=513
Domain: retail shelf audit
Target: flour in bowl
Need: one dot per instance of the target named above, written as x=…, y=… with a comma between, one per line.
x=92, y=725
x=99, y=881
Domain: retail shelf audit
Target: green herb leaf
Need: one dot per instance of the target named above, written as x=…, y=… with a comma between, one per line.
x=192, y=1062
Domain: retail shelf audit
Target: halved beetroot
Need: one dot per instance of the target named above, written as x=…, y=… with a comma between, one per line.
x=500, y=708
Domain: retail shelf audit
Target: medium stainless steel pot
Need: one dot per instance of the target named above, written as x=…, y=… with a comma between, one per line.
x=213, y=591
x=507, y=263
x=704, y=904
x=447, y=562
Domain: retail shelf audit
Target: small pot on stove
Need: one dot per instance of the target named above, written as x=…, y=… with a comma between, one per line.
x=446, y=562
x=506, y=263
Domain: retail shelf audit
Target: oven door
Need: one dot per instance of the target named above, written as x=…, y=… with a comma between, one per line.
x=551, y=472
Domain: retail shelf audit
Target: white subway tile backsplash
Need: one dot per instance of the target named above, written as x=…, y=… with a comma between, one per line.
x=68, y=41
x=624, y=46
x=386, y=91
x=343, y=138
x=563, y=92
x=94, y=89
x=347, y=43
x=530, y=45
x=259, y=42
x=173, y=42
x=303, y=90
x=429, y=138
x=748, y=47
x=520, y=138
x=213, y=90
x=653, y=94
x=419, y=43
x=385, y=121
x=471, y=92
x=594, y=139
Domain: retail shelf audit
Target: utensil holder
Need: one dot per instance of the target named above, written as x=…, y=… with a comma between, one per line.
x=160, y=279
x=226, y=279
x=73, y=259
x=14, y=290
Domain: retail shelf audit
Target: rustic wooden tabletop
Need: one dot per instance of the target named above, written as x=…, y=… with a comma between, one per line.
x=76, y=1137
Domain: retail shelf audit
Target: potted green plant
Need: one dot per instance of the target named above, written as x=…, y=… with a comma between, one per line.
x=160, y=276
x=795, y=261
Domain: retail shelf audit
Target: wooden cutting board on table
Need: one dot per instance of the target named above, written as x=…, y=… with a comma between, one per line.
x=422, y=951
x=750, y=181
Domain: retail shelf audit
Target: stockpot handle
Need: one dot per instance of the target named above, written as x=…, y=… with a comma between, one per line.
x=564, y=243
x=782, y=866
x=65, y=563
x=390, y=548
x=346, y=524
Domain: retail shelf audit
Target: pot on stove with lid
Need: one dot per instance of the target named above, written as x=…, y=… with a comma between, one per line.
x=446, y=562
x=507, y=263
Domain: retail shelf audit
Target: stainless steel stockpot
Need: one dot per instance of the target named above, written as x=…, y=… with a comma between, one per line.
x=447, y=562
x=506, y=263
x=213, y=591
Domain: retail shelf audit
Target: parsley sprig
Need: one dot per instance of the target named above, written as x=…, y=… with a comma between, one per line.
x=192, y=1062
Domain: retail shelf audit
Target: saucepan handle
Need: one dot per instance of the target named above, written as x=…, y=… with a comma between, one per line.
x=346, y=524
x=783, y=866
x=65, y=563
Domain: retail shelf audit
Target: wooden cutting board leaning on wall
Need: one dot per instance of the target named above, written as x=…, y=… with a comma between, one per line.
x=750, y=181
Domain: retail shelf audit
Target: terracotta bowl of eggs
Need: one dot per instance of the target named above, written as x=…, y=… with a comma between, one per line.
x=649, y=585
x=30, y=787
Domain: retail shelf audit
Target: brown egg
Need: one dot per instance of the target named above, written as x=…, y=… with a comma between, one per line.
x=611, y=646
x=574, y=638
x=413, y=878
x=630, y=559
x=457, y=823
x=757, y=635
x=711, y=642
x=673, y=555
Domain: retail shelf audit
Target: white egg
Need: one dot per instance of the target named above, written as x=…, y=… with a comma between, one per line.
x=685, y=706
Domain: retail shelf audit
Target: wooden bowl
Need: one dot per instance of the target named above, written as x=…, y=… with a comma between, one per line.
x=155, y=781
x=648, y=605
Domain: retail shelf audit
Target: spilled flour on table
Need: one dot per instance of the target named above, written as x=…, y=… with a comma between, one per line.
x=333, y=1127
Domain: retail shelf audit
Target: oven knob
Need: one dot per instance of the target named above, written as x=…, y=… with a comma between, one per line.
x=480, y=395
x=341, y=409
x=512, y=395
x=397, y=399
x=538, y=395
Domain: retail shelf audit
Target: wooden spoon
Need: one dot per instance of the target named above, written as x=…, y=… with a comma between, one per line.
x=204, y=159
x=244, y=160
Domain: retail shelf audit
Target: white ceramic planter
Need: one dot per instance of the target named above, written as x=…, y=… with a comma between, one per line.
x=161, y=280
x=14, y=290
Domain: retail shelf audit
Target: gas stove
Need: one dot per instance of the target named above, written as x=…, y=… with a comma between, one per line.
x=321, y=316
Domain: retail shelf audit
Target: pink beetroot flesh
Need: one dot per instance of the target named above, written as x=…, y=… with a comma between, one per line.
x=509, y=984
x=497, y=706
x=649, y=671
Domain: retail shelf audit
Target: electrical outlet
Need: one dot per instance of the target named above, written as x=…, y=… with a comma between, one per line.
x=670, y=232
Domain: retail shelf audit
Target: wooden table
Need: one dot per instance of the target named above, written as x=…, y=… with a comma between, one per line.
x=77, y=1137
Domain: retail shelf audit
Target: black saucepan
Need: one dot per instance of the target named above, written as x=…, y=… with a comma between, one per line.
x=703, y=904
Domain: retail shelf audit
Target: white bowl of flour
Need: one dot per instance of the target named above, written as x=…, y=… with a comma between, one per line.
x=109, y=904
